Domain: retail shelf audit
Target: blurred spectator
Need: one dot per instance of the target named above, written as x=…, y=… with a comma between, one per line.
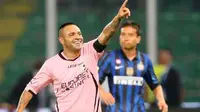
x=171, y=79
x=159, y=70
x=21, y=84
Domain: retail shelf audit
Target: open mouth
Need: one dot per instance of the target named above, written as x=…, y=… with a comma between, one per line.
x=77, y=42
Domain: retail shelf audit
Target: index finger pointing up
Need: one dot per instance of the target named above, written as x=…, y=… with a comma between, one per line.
x=124, y=4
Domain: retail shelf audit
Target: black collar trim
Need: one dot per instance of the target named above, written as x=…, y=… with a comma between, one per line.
x=61, y=56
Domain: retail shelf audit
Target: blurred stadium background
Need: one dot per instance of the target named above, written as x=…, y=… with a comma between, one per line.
x=23, y=34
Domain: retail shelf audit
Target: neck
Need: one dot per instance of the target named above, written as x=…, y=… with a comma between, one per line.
x=71, y=54
x=130, y=53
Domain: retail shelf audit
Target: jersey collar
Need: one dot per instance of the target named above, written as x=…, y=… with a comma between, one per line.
x=63, y=57
x=138, y=57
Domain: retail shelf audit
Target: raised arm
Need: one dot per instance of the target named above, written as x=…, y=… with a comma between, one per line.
x=110, y=29
x=24, y=100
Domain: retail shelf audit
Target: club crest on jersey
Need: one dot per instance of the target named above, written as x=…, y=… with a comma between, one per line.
x=83, y=67
x=129, y=71
x=118, y=61
x=140, y=66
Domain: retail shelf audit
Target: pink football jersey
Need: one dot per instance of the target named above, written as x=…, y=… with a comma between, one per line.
x=75, y=82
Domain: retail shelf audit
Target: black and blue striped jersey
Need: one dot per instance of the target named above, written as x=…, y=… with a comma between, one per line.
x=126, y=79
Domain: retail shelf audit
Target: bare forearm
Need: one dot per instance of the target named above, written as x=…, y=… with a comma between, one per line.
x=109, y=30
x=24, y=100
x=158, y=92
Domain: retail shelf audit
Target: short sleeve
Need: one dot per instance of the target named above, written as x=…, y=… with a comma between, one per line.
x=40, y=80
x=150, y=76
x=89, y=48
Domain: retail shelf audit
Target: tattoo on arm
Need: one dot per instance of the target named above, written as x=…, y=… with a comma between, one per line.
x=109, y=30
x=24, y=100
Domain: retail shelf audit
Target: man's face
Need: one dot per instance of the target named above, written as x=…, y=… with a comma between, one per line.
x=165, y=57
x=129, y=38
x=71, y=38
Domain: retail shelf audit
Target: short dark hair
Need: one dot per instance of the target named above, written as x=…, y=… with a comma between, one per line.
x=66, y=24
x=166, y=49
x=133, y=24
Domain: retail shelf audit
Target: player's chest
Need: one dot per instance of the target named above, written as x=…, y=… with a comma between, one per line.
x=68, y=70
x=126, y=72
x=121, y=67
x=71, y=76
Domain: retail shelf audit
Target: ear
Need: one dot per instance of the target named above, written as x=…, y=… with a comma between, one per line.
x=138, y=39
x=61, y=40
